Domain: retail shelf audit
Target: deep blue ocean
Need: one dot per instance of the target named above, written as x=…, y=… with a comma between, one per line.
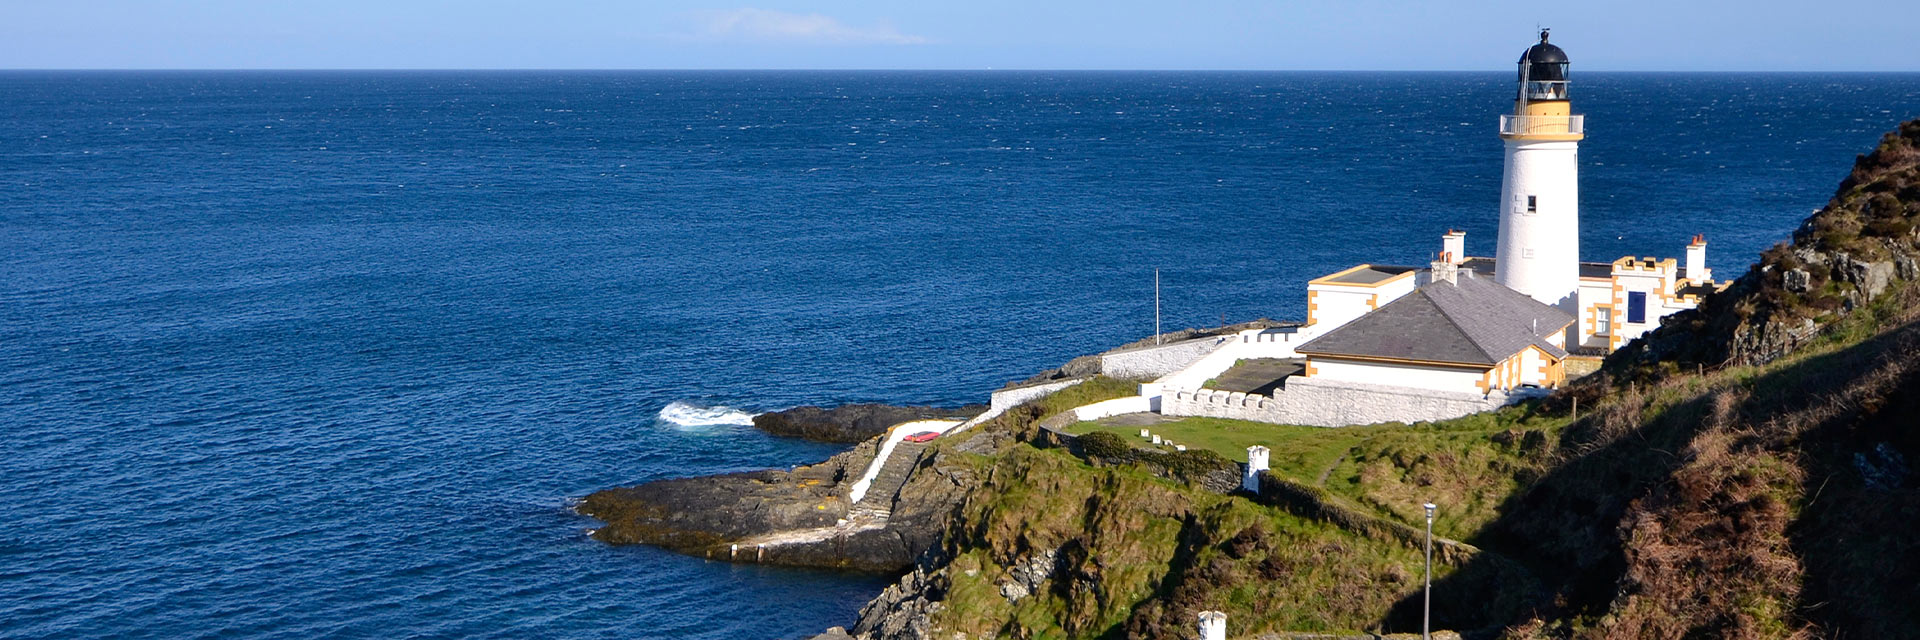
x=300, y=355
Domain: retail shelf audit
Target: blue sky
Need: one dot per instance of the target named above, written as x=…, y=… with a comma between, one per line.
x=1758, y=35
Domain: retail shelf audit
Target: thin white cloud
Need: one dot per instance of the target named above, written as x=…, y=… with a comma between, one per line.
x=766, y=25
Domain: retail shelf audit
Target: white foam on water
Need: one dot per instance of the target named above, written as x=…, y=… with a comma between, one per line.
x=684, y=414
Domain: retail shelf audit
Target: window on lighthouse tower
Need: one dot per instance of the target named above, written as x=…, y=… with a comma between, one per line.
x=1533, y=204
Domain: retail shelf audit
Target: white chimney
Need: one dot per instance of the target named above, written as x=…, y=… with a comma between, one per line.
x=1445, y=269
x=1454, y=244
x=1256, y=463
x=1213, y=625
x=1697, y=270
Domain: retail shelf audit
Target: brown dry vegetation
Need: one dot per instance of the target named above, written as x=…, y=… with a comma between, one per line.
x=1732, y=504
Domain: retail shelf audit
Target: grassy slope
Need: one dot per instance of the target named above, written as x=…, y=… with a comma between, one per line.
x=1138, y=554
x=1468, y=465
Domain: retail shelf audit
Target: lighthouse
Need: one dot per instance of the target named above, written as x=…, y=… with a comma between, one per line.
x=1539, y=246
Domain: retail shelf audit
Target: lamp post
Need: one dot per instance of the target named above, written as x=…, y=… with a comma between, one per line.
x=1426, y=612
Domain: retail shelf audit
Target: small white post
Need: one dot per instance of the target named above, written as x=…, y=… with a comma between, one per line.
x=1256, y=463
x=1213, y=625
x=1179, y=447
x=1156, y=439
x=1144, y=434
x=1426, y=610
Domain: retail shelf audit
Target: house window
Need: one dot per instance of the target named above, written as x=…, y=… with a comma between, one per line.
x=1636, y=307
x=1533, y=204
x=1602, y=321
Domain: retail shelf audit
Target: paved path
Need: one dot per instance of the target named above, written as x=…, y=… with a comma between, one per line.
x=1258, y=376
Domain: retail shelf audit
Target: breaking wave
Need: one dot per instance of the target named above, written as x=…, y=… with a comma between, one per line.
x=693, y=415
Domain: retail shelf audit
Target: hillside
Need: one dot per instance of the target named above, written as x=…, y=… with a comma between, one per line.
x=1746, y=472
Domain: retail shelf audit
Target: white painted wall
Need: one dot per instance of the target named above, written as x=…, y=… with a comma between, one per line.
x=1399, y=375
x=1333, y=403
x=1114, y=407
x=1249, y=344
x=1530, y=364
x=1005, y=399
x=1592, y=292
x=1158, y=360
x=1337, y=305
x=1539, y=252
x=1653, y=284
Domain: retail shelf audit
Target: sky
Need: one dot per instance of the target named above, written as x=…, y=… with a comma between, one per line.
x=1629, y=35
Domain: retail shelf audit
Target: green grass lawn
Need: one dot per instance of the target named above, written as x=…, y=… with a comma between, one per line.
x=1296, y=450
x=1388, y=468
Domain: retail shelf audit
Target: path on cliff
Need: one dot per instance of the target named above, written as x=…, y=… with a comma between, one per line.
x=871, y=512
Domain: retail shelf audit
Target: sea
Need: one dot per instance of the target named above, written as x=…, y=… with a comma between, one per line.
x=332, y=354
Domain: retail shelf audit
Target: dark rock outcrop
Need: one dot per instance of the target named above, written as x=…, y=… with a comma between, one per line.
x=853, y=422
x=802, y=517
x=700, y=515
x=1844, y=256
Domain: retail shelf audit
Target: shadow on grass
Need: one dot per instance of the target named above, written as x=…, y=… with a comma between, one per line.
x=1861, y=564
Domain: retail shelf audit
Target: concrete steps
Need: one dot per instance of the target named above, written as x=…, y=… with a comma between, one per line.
x=887, y=484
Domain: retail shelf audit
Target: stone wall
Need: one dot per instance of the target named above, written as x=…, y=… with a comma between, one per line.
x=1005, y=399
x=1155, y=361
x=1322, y=403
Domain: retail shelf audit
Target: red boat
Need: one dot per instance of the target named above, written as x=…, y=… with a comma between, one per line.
x=923, y=436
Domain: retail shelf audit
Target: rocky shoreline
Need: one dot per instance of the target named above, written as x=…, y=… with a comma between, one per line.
x=852, y=423
x=800, y=517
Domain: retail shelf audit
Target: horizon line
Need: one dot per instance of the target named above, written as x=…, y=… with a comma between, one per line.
x=927, y=69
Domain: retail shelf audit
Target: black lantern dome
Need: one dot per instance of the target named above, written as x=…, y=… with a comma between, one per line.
x=1543, y=71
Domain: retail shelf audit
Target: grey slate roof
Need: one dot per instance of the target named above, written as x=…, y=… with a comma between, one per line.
x=1471, y=321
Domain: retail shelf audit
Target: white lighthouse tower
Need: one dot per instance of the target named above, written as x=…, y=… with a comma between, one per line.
x=1539, y=251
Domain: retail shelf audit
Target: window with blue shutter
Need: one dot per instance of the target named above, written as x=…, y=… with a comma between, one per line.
x=1636, y=306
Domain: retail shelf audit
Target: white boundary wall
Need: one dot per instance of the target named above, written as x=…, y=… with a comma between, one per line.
x=1005, y=399
x=1249, y=344
x=1157, y=360
x=1114, y=407
x=1327, y=403
x=1009, y=398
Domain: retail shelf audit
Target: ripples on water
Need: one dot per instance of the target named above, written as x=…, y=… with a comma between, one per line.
x=298, y=354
